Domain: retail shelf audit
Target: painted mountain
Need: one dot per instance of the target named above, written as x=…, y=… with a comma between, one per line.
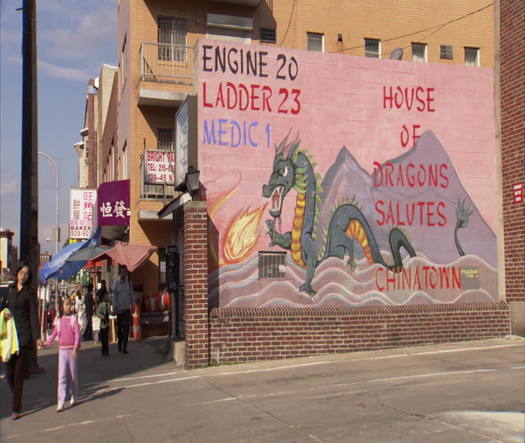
x=419, y=192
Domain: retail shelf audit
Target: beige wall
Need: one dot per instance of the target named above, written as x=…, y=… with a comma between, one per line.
x=404, y=22
x=369, y=18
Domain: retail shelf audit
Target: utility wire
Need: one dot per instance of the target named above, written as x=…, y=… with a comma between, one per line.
x=433, y=28
x=289, y=23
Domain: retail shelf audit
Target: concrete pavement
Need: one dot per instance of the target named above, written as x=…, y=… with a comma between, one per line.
x=468, y=392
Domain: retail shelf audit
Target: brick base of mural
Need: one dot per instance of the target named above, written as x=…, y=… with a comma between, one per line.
x=244, y=334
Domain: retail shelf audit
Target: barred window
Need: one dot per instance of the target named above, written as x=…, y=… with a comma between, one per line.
x=172, y=39
x=446, y=52
x=268, y=35
x=166, y=139
x=271, y=264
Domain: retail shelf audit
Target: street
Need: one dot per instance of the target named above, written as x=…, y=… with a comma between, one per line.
x=459, y=392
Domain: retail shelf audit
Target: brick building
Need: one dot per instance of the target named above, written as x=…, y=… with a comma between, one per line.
x=512, y=139
x=160, y=66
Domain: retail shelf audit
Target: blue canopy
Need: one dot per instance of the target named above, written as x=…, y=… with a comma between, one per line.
x=60, y=268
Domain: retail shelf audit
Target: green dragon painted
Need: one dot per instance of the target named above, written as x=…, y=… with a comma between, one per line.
x=293, y=168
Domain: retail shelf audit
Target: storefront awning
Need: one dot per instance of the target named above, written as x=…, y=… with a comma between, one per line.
x=130, y=255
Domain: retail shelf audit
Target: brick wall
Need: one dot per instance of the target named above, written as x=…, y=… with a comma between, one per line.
x=196, y=283
x=242, y=334
x=512, y=92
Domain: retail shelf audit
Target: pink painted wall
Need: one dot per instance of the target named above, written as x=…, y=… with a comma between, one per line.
x=351, y=115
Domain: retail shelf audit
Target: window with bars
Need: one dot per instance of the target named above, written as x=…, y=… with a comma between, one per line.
x=268, y=35
x=166, y=139
x=271, y=264
x=446, y=52
x=419, y=52
x=372, y=47
x=315, y=41
x=471, y=56
x=172, y=39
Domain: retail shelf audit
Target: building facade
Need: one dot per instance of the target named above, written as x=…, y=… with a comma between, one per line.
x=161, y=64
x=156, y=42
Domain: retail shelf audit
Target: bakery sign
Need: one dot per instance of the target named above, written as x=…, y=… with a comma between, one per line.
x=159, y=167
x=82, y=212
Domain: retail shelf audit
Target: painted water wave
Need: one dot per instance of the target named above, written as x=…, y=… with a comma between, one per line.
x=469, y=279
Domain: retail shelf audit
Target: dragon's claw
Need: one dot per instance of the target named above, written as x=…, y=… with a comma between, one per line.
x=306, y=287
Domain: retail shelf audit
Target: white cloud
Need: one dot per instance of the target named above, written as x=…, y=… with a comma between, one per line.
x=56, y=71
x=94, y=34
x=63, y=71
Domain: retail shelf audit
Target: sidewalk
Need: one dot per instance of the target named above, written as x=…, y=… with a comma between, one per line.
x=93, y=370
x=468, y=392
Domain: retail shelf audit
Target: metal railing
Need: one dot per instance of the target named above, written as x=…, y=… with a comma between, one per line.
x=166, y=63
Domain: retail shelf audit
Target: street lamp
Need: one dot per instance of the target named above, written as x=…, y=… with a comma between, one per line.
x=57, y=226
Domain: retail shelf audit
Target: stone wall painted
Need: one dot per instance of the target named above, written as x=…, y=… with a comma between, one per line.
x=372, y=182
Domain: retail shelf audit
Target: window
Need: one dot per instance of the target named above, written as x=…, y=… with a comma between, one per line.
x=419, y=52
x=229, y=27
x=315, y=41
x=172, y=39
x=123, y=64
x=471, y=56
x=166, y=139
x=446, y=52
x=372, y=47
x=124, y=165
x=271, y=264
x=268, y=35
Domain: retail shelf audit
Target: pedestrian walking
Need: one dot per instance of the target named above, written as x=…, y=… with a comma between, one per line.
x=122, y=299
x=22, y=304
x=80, y=310
x=103, y=310
x=67, y=330
x=102, y=290
x=89, y=303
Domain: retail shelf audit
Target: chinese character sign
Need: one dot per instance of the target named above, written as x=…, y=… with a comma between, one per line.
x=113, y=203
x=81, y=217
x=159, y=167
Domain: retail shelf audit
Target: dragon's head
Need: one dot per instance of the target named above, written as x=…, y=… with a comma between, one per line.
x=282, y=177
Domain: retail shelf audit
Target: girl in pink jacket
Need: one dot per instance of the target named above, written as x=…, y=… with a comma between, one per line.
x=67, y=330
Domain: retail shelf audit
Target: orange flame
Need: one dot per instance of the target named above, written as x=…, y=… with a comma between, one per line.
x=242, y=235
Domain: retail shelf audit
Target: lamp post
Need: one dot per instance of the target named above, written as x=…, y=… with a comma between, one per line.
x=57, y=227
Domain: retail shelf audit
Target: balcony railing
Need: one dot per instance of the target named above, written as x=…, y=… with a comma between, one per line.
x=166, y=63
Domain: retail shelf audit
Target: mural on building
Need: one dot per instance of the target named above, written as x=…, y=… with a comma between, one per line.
x=305, y=164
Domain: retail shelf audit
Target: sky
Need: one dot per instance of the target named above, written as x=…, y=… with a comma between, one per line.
x=75, y=37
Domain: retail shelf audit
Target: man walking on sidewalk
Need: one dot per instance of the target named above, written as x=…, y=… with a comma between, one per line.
x=122, y=299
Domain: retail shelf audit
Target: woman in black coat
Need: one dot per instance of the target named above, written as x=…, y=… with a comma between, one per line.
x=22, y=304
